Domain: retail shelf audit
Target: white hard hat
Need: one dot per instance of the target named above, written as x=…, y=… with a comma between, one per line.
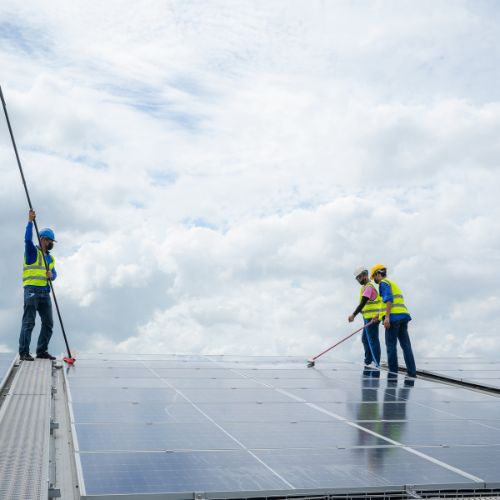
x=360, y=270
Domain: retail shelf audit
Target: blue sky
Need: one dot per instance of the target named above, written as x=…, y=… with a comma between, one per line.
x=214, y=171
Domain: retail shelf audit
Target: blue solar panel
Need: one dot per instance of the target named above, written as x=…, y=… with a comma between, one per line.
x=481, y=461
x=391, y=411
x=234, y=395
x=112, y=473
x=214, y=383
x=468, y=370
x=440, y=433
x=141, y=436
x=116, y=382
x=285, y=435
x=109, y=394
x=132, y=411
x=109, y=372
x=269, y=412
x=356, y=467
x=263, y=425
x=474, y=410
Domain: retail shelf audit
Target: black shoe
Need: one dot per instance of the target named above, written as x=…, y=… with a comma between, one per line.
x=409, y=382
x=26, y=356
x=45, y=355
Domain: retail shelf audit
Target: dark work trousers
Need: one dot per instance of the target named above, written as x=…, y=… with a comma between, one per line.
x=36, y=299
x=370, y=339
x=398, y=331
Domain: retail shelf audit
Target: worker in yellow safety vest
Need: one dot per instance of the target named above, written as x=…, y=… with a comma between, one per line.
x=370, y=305
x=37, y=291
x=396, y=318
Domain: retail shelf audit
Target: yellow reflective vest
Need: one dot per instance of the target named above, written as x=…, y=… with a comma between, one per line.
x=398, y=304
x=372, y=308
x=36, y=274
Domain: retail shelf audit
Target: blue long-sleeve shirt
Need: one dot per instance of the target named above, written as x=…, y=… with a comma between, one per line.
x=386, y=294
x=30, y=251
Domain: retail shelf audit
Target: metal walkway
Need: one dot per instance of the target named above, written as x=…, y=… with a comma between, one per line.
x=25, y=433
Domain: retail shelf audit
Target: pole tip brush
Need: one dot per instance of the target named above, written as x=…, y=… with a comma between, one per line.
x=70, y=361
x=310, y=363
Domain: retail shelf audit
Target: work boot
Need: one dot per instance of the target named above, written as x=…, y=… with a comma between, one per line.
x=26, y=356
x=45, y=355
x=409, y=382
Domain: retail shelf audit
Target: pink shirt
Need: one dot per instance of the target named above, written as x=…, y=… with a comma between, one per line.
x=370, y=293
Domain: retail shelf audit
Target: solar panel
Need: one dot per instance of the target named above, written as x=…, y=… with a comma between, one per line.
x=439, y=433
x=467, y=370
x=258, y=426
x=301, y=434
x=356, y=468
x=479, y=460
x=392, y=411
x=125, y=473
x=131, y=411
x=111, y=371
x=475, y=410
x=143, y=436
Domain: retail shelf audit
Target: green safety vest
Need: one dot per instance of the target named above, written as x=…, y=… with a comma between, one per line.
x=372, y=307
x=36, y=274
x=398, y=304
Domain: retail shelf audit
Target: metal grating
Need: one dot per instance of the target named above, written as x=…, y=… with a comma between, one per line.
x=24, y=434
x=34, y=379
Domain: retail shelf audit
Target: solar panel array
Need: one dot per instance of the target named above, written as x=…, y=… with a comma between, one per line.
x=468, y=370
x=249, y=426
x=6, y=361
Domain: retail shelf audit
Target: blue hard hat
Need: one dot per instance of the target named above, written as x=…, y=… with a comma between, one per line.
x=48, y=233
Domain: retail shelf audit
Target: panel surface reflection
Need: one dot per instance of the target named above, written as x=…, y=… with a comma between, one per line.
x=148, y=424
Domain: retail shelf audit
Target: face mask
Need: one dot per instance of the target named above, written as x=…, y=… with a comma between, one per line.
x=50, y=245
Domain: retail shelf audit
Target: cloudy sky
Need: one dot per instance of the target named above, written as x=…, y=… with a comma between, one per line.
x=215, y=170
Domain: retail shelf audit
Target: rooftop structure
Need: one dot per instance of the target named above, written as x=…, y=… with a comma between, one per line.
x=193, y=427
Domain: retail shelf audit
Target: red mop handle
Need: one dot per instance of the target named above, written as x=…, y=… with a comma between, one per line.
x=340, y=341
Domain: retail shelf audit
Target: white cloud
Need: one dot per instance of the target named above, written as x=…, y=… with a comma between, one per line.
x=215, y=171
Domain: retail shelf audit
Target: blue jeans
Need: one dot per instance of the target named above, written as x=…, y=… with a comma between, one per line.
x=371, y=343
x=36, y=299
x=398, y=331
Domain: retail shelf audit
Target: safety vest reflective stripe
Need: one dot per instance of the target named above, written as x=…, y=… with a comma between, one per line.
x=27, y=278
x=38, y=261
x=373, y=307
x=398, y=305
x=36, y=274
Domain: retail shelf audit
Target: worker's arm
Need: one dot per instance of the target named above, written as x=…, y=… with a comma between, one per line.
x=29, y=247
x=388, y=298
x=369, y=293
x=387, y=320
x=358, y=309
x=52, y=274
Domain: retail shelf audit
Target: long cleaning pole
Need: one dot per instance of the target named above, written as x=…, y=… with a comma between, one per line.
x=70, y=358
x=311, y=362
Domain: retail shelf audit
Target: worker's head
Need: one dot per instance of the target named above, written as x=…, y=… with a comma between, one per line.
x=361, y=275
x=378, y=272
x=47, y=238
